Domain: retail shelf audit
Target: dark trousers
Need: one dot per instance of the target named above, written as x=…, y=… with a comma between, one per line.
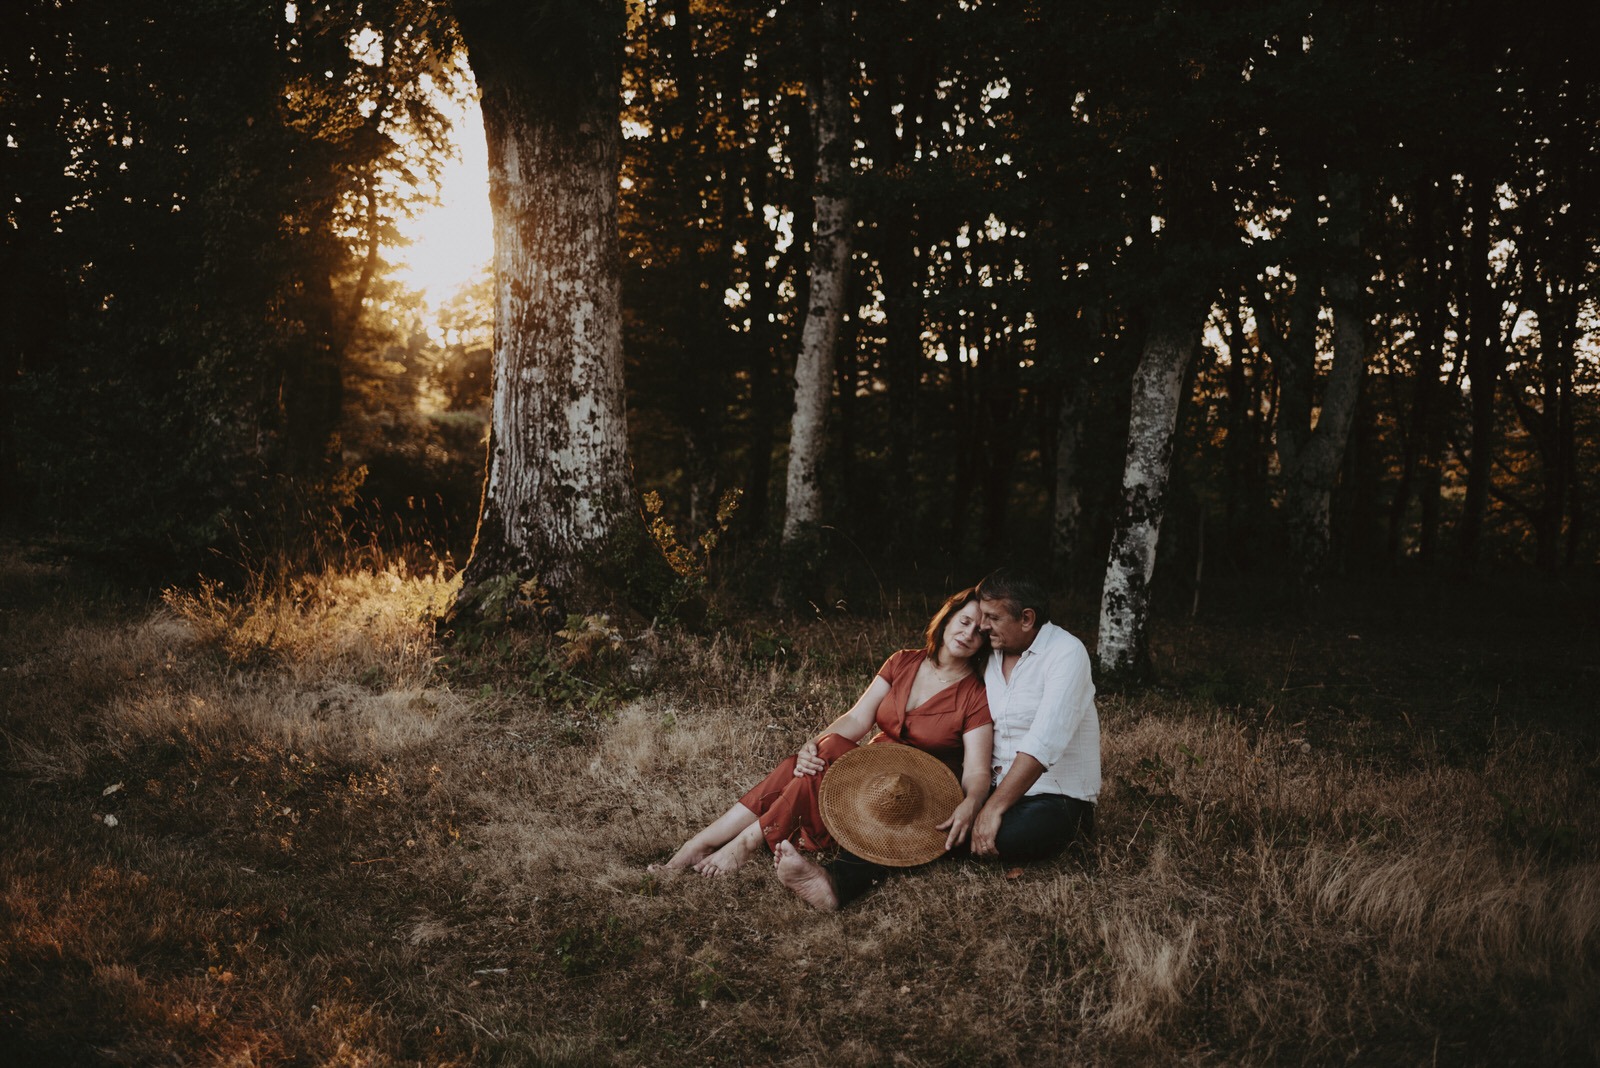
x=1036, y=827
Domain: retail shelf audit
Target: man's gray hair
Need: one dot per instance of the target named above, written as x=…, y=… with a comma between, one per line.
x=1018, y=590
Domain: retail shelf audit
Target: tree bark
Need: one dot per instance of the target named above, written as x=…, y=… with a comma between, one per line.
x=1420, y=466
x=828, y=102
x=1066, y=519
x=1062, y=348
x=1486, y=360
x=1157, y=394
x=1249, y=428
x=1310, y=473
x=1549, y=422
x=558, y=501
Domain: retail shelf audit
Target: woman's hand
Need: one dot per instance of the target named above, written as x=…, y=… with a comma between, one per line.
x=807, y=762
x=959, y=824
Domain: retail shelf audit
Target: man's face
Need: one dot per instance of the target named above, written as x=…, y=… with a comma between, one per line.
x=1007, y=633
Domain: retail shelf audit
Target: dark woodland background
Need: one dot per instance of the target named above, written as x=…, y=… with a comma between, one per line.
x=206, y=364
x=293, y=813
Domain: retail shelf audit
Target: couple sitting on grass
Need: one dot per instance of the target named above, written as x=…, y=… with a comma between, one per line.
x=988, y=733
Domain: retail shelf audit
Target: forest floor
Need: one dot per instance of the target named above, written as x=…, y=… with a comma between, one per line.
x=285, y=827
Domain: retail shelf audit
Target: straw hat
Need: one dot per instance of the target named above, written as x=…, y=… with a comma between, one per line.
x=883, y=802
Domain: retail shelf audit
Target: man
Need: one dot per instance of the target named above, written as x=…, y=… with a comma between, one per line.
x=1046, y=730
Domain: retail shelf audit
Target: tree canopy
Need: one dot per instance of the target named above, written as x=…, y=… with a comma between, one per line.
x=1369, y=231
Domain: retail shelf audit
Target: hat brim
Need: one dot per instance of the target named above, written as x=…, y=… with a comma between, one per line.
x=856, y=827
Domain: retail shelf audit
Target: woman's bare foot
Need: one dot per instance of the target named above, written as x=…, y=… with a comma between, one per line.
x=725, y=828
x=731, y=857
x=688, y=855
x=809, y=880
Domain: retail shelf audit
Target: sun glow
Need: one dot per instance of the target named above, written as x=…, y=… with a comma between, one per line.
x=452, y=242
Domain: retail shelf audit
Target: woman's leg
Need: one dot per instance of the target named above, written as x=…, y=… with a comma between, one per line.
x=726, y=827
x=787, y=809
x=795, y=815
x=718, y=832
x=731, y=857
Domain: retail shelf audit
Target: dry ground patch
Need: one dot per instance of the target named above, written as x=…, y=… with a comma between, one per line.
x=288, y=828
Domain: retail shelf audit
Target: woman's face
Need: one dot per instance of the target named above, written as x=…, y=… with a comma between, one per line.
x=961, y=635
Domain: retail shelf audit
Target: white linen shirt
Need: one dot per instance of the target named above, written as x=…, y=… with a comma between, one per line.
x=1047, y=710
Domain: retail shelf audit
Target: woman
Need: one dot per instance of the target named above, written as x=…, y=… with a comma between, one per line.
x=931, y=698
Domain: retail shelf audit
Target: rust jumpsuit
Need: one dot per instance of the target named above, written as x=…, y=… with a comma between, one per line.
x=787, y=803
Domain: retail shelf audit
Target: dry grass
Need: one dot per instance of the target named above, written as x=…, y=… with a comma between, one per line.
x=335, y=844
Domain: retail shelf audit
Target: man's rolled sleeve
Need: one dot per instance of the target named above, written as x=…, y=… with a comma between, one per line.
x=1066, y=697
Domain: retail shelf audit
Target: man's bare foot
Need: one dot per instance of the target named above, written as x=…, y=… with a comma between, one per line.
x=809, y=880
x=688, y=855
x=731, y=857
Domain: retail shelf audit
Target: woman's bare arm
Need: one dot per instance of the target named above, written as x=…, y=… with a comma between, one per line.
x=853, y=725
x=977, y=748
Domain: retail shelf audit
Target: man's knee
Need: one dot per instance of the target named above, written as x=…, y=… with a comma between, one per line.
x=1044, y=828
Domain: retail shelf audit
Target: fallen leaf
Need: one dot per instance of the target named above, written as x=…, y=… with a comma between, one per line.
x=109, y=790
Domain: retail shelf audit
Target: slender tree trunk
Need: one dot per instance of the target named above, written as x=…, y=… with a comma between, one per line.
x=1433, y=482
x=829, y=107
x=311, y=385
x=902, y=358
x=1309, y=480
x=764, y=401
x=842, y=448
x=1485, y=363
x=1431, y=394
x=1248, y=432
x=959, y=511
x=1549, y=424
x=761, y=342
x=1066, y=521
x=1415, y=454
x=1063, y=351
x=998, y=423
x=1157, y=395
x=1572, y=465
x=558, y=501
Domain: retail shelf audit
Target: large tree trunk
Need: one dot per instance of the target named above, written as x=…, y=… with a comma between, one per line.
x=558, y=501
x=829, y=105
x=1157, y=394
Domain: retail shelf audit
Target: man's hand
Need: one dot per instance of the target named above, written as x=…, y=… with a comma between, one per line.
x=984, y=832
x=807, y=762
x=1025, y=771
x=959, y=824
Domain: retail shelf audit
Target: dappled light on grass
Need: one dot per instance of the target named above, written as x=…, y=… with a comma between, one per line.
x=338, y=842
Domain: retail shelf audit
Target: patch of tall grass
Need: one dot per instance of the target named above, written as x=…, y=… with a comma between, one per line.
x=331, y=840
